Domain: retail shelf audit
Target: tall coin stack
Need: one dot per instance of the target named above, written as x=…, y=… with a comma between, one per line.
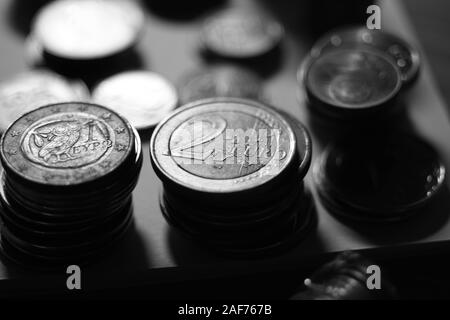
x=68, y=173
x=232, y=172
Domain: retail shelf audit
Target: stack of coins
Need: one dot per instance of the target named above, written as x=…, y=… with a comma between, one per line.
x=232, y=172
x=68, y=173
x=357, y=74
x=384, y=180
x=405, y=55
x=352, y=84
x=86, y=37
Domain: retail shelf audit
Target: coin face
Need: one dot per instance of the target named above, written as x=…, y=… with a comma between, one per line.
x=352, y=79
x=144, y=98
x=241, y=34
x=396, y=175
x=222, y=146
x=34, y=89
x=66, y=144
x=406, y=57
x=220, y=81
x=88, y=29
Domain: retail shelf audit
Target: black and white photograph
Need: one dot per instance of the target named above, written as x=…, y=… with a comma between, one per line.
x=226, y=158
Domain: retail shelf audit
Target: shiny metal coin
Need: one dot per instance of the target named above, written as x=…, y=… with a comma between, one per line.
x=351, y=82
x=220, y=81
x=66, y=144
x=222, y=146
x=380, y=179
x=241, y=34
x=88, y=29
x=144, y=98
x=33, y=89
x=406, y=56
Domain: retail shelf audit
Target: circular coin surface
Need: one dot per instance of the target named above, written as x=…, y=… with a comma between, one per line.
x=241, y=34
x=406, y=57
x=66, y=144
x=396, y=175
x=88, y=29
x=33, y=89
x=222, y=146
x=144, y=98
x=220, y=81
x=352, y=79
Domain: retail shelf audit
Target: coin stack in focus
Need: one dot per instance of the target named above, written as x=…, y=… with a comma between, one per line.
x=232, y=172
x=68, y=173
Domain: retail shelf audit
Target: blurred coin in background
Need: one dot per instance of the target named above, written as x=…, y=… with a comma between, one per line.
x=220, y=81
x=143, y=97
x=241, y=34
x=33, y=89
x=88, y=29
x=405, y=55
x=351, y=83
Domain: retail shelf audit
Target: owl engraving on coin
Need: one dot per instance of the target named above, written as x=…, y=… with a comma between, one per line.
x=68, y=143
x=58, y=144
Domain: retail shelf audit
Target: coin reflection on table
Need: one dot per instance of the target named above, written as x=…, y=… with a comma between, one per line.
x=233, y=176
x=220, y=81
x=406, y=56
x=384, y=179
x=241, y=34
x=33, y=89
x=68, y=173
x=144, y=98
x=88, y=29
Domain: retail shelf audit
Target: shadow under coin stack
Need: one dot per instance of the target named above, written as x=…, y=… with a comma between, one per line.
x=232, y=172
x=68, y=173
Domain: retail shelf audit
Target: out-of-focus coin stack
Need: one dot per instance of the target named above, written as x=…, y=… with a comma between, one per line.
x=68, y=173
x=86, y=38
x=373, y=169
x=233, y=174
x=353, y=77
